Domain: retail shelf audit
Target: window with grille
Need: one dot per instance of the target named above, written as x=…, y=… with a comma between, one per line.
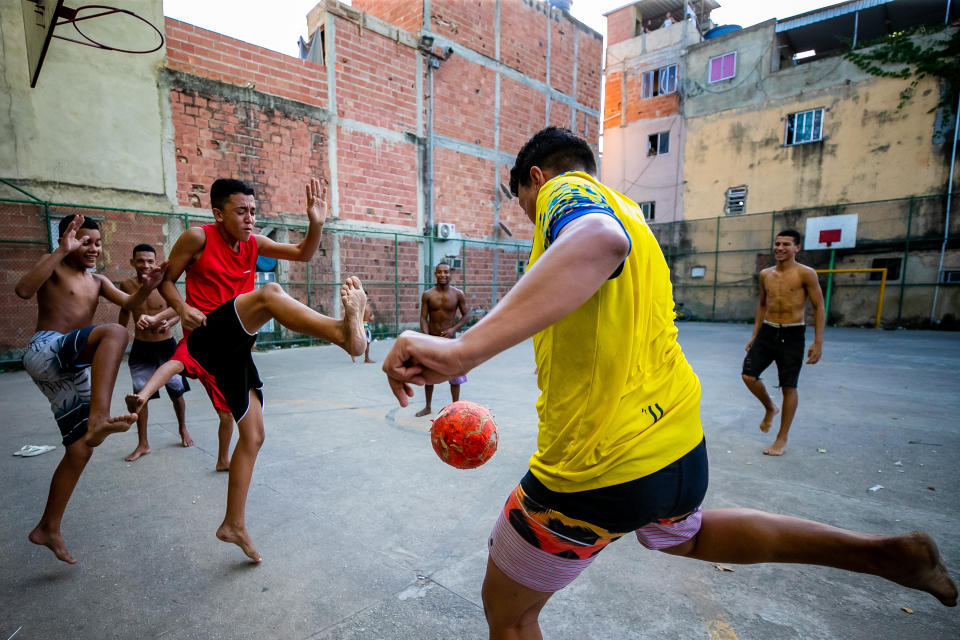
x=723, y=67
x=659, y=82
x=649, y=210
x=805, y=126
x=658, y=144
x=736, y=200
x=891, y=264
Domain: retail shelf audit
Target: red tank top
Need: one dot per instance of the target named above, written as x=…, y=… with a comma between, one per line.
x=221, y=273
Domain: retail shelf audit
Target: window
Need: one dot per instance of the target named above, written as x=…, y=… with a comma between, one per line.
x=648, y=209
x=658, y=144
x=892, y=265
x=805, y=126
x=659, y=82
x=723, y=67
x=736, y=200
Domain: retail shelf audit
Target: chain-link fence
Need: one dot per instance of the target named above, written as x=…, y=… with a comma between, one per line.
x=715, y=262
x=395, y=268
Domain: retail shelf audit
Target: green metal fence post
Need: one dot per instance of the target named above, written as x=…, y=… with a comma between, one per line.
x=906, y=254
x=46, y=223
x=308, y=285
x=396, y=286
x=716, y=265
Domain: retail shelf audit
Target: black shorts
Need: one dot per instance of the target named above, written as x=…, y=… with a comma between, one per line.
x=677, y=489
x=222, y=347
x=783, y=345
x=146, y=357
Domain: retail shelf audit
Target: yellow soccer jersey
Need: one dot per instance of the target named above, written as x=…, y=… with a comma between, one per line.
x=618, y=400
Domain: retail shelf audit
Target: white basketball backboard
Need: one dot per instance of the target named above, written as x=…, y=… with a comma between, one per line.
x=831, y=232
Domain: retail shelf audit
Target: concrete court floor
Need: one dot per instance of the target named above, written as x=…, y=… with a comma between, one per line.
x=366, y=534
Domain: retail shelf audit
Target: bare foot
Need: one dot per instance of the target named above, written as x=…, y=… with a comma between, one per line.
x=768, y=419
x=52, y=541
x=185, y=438
x=368, y=360
x=424, y=412
x=776, y=449
x=139, y=452
x=98, y=431
x=240, y=538
x=916, y=564
x=354, y=301
x=134, y=403
x=223, y=465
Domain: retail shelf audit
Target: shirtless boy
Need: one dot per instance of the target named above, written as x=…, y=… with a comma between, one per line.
x=152, y=346
x=221, y=317
x=438, y=317
x=73, y=362
x=778, y=332
x=620, y=449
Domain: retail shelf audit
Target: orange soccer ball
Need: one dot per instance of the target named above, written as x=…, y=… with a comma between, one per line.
x=464, y=434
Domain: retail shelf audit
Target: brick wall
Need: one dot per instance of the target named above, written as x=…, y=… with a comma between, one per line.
x=406, y=14
x=621, y=25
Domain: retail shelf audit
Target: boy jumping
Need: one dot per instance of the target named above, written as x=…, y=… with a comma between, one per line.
x=73, y=362
x=221, y=317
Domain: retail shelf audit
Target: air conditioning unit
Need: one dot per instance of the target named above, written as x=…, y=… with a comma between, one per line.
x=445, y=231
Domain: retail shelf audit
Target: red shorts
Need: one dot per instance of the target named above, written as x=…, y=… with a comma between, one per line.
x=193, y=369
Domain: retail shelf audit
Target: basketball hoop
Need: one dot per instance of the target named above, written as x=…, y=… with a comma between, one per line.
x=41, y=17
x=73, y=16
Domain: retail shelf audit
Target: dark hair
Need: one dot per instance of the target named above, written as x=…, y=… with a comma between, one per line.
x=143, y=247
x=442, y=263
x=791, y=233
x=551, y=148
x=223, y=188
x=88, y=223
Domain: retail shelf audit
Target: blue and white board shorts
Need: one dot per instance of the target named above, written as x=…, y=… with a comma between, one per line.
x=51, y=360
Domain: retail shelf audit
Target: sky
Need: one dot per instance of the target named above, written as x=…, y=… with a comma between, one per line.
x=278, y=24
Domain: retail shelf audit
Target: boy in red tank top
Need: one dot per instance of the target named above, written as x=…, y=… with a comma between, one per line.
x=221, y=317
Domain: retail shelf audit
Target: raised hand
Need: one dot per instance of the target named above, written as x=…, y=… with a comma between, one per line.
x=153, y=278
x=69, y=240
x=317, y=205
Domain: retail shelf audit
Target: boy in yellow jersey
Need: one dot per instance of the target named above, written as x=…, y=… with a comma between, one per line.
x=620, y=448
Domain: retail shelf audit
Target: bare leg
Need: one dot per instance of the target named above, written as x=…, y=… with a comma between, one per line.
x=180, y=409
x=160, y=377
x=270, y=301
x=455, y=392
x=512, y=610
x=104, y=351
x=143, y=447
x=428, y=392
x=65, y=477
x=790, y=399
x=224, y=434
x=747, y=536
x=366, y=354
x=233, y=529
x=760, y=391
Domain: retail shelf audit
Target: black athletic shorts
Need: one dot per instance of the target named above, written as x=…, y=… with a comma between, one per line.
x=222, y=347
x=675, y=490
x=780, y=344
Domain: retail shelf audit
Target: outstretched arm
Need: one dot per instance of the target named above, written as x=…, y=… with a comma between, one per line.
x=31, y=281
x=304, y=250
x=148, y=282
x=812, y=284
x=577, y=264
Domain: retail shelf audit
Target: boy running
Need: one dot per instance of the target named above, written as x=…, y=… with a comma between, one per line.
x=221, y=317
x=152, y=346
x=620, y=446
x=73, y=362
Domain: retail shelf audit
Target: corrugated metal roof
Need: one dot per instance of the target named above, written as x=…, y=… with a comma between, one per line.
x=827, y=13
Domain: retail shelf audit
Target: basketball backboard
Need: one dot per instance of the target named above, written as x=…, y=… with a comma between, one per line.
x=831, y=232
x=39, y=19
